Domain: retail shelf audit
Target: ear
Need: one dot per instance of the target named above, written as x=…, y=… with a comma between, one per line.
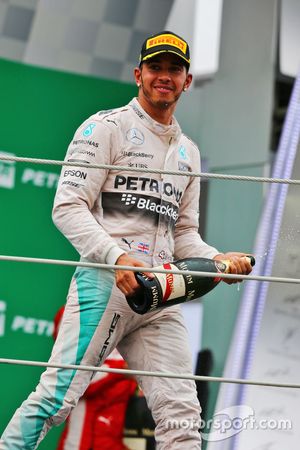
x=188, y=81
x=138, y=76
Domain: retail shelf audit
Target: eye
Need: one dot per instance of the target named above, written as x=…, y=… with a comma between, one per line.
x=176, y=69
x=154, y=67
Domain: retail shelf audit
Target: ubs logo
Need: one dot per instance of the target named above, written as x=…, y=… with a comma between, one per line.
x=135, y=136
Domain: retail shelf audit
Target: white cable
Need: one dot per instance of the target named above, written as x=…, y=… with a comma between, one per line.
x=135, y=169
x=148, y=269
x=148, y=373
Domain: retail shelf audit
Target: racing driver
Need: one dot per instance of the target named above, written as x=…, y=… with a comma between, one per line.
x=130, y=218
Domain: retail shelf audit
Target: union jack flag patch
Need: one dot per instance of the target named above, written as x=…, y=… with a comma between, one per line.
x=142, y=247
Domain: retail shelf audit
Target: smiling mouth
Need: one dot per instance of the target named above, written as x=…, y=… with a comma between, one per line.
x=163, y=89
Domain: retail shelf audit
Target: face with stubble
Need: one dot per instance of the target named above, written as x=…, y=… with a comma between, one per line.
x=161, y=81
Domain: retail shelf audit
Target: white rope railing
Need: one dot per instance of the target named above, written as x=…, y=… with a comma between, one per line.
x=148, y=373
x=158, y=171
x=148, y=269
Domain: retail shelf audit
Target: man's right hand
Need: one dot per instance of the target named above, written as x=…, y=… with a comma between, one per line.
x=125, y=279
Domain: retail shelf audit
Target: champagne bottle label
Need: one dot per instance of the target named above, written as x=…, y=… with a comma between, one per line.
x=172, y=285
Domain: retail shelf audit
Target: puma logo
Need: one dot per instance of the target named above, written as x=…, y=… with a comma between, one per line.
x=127, y=242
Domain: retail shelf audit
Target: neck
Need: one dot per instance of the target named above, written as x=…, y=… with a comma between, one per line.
x=161, y=113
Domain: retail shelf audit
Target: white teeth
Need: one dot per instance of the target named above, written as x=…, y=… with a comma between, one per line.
x=162, y=89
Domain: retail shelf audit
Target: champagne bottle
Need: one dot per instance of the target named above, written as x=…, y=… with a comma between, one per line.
x=170, y=289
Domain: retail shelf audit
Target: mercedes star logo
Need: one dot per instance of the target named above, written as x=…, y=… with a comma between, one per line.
x=135, y=136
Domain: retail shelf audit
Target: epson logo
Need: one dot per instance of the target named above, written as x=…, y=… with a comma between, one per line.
x=75, y=173
x=147, y=184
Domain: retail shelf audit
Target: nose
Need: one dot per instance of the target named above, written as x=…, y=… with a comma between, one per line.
x=164, y=77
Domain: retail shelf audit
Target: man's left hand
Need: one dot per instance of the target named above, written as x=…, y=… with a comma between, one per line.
x=239, y=264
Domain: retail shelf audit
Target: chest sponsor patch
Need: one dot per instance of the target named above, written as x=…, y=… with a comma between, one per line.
x=135, y=136
x=150, y=208
x=131, y=183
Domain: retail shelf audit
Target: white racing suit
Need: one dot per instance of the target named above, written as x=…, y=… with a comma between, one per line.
x=105, y=213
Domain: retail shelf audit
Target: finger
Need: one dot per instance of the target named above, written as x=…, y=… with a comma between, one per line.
x=125, y=275
x=245, y=265
x=149, y=274
x=233, y=281
x=240, y=265
x=127, y=283
x=233, y=267
x=125, y=288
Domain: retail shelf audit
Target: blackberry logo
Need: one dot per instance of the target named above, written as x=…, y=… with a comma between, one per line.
x=164, y=209
x=128, y=199
x=152, y=208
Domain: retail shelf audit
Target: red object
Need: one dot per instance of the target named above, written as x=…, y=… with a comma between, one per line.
x=169, y=282
x=57, y=320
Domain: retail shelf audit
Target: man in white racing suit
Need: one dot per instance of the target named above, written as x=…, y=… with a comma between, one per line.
x=131, y=218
